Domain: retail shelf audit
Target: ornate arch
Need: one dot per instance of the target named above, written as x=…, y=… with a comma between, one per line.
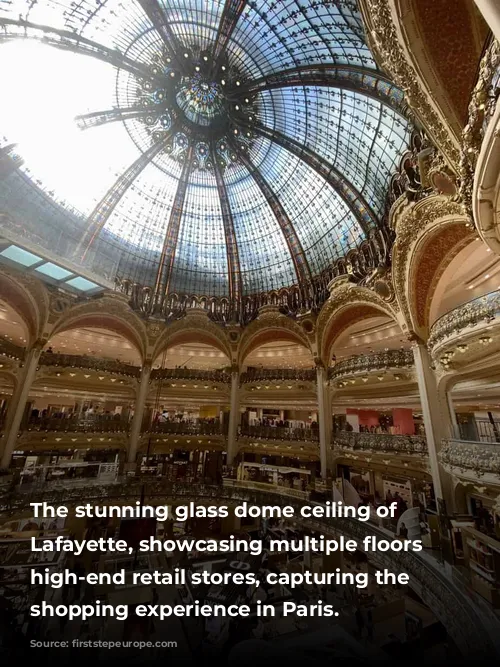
x=28, y=297
x=109, y=313
x=428, y=236
x=268, y=327
x=347, y=305
x=194, y=328
x=402, y=43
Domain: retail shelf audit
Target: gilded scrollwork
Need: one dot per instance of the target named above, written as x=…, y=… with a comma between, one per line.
x=481, y=108
x=366, y=363
x=380, y=442
x=478, y=459
x=411, y=222
x=383, y=39
x=483, y=309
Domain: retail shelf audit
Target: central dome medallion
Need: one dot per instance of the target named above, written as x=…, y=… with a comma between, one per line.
x=201, y=99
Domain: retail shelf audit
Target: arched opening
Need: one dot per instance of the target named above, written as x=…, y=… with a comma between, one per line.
x=473, y=272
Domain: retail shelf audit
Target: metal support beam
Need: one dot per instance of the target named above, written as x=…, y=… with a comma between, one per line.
x=363, y=212
x=156, y=14
x=230, y=17
x=70, y=41
x=370, y=83
x=233, y=258
x=166, y=264
x=297, y=253
x=102, y=212
x=97, y=118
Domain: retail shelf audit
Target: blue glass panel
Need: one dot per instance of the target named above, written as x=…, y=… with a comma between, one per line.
x=54, y=271
x=20, y=256
x=82, y=284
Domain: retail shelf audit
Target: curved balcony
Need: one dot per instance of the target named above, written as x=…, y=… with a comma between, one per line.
x=415, y=445
x=57, y=425
x=472, y=629
x=89, y=363
x=480, y=311
x=11, y=350
x=365, y=363
x=188, y=428
x=472, y=461
x=278, y=374
x=219, y=376
x=278, y=433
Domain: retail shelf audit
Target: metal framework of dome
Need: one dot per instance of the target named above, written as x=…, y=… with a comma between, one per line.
x=263, y=139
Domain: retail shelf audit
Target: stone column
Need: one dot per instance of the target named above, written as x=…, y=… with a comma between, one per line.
x=490, y=9
x=437, y=419
x=234, y=416
x=324, y=416
x=140, y=403
x=18, y=402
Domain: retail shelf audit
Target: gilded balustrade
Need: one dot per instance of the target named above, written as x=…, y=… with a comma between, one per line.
x=89, y=363
x=364, y=363
x=380, y=442
x=482, y=309
x=476, y=459
x=278, y=374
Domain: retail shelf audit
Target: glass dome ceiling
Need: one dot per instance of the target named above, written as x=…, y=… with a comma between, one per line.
x=210, y=147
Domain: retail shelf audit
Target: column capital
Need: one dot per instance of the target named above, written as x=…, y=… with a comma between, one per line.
x=318, y=363
x=235, y=369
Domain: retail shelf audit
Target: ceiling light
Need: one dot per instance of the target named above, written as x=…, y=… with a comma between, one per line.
x=205, y=58
x=197, y=68
x=186, y=55
x=86, y=377
x=238, y=83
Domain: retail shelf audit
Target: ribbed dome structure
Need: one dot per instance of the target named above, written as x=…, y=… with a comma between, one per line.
x=224, y=148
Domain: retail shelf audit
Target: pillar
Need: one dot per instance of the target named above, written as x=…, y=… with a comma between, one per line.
x=490, y=9
x=436, y=415
x=324, y=416
x=18, y=403
x=234, y=416
x=453, y=416
x=135, y=430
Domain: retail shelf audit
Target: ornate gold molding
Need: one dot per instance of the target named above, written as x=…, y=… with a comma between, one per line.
x=383, y=40
x=412, y=222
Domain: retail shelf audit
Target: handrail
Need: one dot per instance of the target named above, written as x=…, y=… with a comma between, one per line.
x=279, y=433
x=215, y=375
x=188, y=428
x=370, y=362
x=382, y=442
x=75, y=425
x=483, y=308
x=89, y=363
x=478, y=457
x=282, y=374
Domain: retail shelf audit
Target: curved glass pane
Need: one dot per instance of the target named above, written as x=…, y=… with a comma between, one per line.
x=106, y=196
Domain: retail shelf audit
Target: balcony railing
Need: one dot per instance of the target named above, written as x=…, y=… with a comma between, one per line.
x=89, y=363
x=380, y=442
x=364, y=363
x=280, y=374
x=477, y=458
x=191, y=374
x=54, y=424
x=188, y=428
x=9, y=349
x=479, y=430
x=279, y=433
x=483, y=309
